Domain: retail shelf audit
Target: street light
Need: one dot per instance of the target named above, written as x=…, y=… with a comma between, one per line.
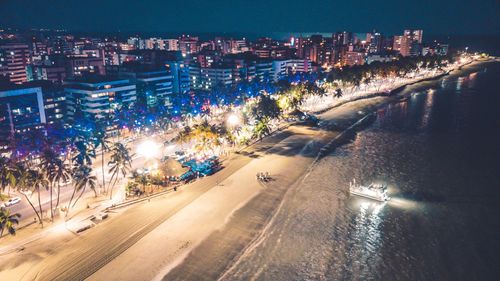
x=233, y=120
x=148, y=149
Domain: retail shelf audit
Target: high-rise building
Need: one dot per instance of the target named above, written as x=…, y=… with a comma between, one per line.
x=53, y=73
x=188, y=44
x=396, y=44
x=264, y=53
x=387, y=43
x=82, y=64
x=218, y=75
x=14, y=58
x=54, y=100
x=342, y=38
x=21, y=110
x=264, y=70
x=60, y=45
x=153, y=83
x=180, y=76
x=299, y=45
x=374, y=41
x=311, y=52
x=97, y=96
x=239, y=46
x=280, y=69
x=354, y=58
x=39, y=47
x=370, y=58
x=195, y=76
x=156, y=44
x=222, y=45
x=206, y=58
x=299, y=65
x=411, y=42
x=172, y=44
x=137, y=42
x=415, y=35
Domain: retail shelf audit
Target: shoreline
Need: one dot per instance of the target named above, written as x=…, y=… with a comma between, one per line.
x=235, y=205
x=183, y=269
x=366, y=120
x=401, y=87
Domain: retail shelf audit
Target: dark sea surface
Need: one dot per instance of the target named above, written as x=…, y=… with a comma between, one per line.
x=439, y=152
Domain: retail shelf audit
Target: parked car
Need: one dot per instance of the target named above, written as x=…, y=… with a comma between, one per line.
x=11, y=201
x=99, y=217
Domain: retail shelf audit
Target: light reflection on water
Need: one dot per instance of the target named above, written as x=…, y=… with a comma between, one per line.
x=426, y=147
x=366, y=223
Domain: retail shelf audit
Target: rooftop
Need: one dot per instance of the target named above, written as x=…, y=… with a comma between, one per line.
x=94, y=79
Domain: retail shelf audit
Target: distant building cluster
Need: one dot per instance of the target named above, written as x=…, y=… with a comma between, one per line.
x=51, y=77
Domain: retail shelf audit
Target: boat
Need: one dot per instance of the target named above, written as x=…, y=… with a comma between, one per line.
x=373, y=191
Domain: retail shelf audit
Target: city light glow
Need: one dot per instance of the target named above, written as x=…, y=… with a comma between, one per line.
x=148, y=149
x=233, y=120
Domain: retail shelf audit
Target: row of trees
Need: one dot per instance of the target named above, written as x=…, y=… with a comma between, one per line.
x=287, y=95
x=355, y=75
x=54, y=165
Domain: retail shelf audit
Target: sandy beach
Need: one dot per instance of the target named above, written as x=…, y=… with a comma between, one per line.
x=199, y=232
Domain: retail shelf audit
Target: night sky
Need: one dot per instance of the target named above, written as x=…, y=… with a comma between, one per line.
x=256, y=16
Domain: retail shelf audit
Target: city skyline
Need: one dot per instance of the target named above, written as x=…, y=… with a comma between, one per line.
x=259, y=17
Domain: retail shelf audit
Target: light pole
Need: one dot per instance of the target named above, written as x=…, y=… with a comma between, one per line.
x=232, y=121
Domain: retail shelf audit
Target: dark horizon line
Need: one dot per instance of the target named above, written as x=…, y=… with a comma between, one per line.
x=254, y=33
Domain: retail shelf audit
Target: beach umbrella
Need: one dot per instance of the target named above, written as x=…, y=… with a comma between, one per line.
x=172, y=168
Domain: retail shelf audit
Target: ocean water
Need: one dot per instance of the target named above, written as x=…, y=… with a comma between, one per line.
x=439, y=152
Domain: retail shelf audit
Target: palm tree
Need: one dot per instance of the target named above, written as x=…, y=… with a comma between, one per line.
x=4, y=173
x=262, y=128
x=7, y=221
x=184, y=136
x=85, y=152
x=83, y=177
x=338, y=93
x=313, y=88
x=61, y=172
x=143, y=180
x=47, y=165
x=21, y=177
x=266, y=107
x=11, y=168
x=101, y=139
x=38, y=182
x=120, y=162
x=207, y=136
